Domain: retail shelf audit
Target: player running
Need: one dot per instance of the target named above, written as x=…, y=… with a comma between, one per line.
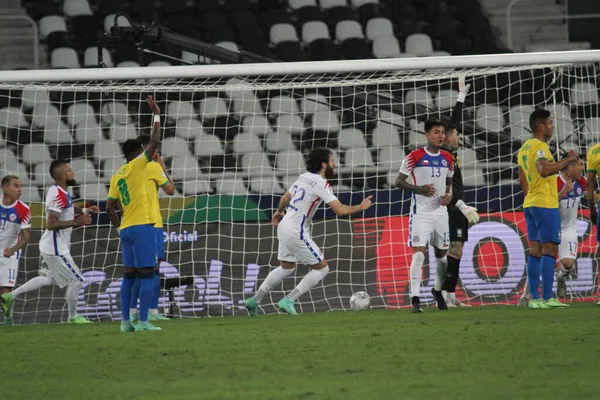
x=538, y=178
x=15, y=220
x=55, y=245
x=157, y=177
x=128, y=186
x=431, y=169
x=459, y=214
x=302, y=200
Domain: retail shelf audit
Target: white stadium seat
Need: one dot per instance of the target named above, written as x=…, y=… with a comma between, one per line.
x=518, y=117
x=314, y=103
x=298, y=4
x=583, y=92
x=473, y=177
x=41, y=174
x=177, y=110
x=90, y=57
x=109, y=21
x=194, y=187
x=81, y=113
x=90, y=132
x=231, y=46
x=559, y=111
x=30, y=97
x=314, y=30
x=12, y=117
x=278, y=141
x=192, y=58
x=31, y=194
x=112, y=165
x=291, y=161
x=189, y=128
x=489, y=117
x=283, y=32
x=74, y=8
x=390, y=158
x=282, y=105
x=358, y=157
x=445, y=99
x=390, y=118
x=265, y=186
x=23, y=173
x=377, y=27
x=105, y=150
x=114, y=112
x=467, y=158
x=386, y=47
x=213, y=107
x=419, y=96
x=327, y=4
x=51, y=23
x=60, y=134
x=246, y=143
x=35, y=153
x=120, y=133
x=289, y=124
x=174, y=147
x=128, y=64
x=244, y=99
x=419, y=44
x=385, y=135
x=257, y=124
x=64, y=57
x=85, y=171
x=93, y=191
x=184, y=168
x=8, y=160
x=256, y=162
x=328, y=122
x=230, y=186
x=359, y=3
x=416, y=133
x=208, y=145
x=45, y=115
x=351, y=138
x=348, y=30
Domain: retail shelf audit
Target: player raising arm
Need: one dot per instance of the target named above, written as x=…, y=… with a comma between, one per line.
x=302, y=200
x=537, y=174
x=128, y=187
x=15, y=219
x=431, y=169
x=55, y=245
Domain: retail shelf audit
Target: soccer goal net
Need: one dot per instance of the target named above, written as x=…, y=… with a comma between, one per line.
x=234, y=139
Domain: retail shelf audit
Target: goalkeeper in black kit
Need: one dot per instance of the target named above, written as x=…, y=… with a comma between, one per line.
x=459, y=214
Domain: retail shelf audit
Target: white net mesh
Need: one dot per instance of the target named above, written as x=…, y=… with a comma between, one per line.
x=233, y=146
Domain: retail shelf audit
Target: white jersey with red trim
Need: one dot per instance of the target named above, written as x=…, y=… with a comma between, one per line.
x=428, y=168
x=13, y=219
x=58, y=242
x=569, y=205
x=308, y=192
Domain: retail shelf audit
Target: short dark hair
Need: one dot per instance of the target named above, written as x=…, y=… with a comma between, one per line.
x=316, y=158
x=450, y=127
x=54, y=165
x=431, y=123
x=130, y=146
x=537, y=118
x=7, y=178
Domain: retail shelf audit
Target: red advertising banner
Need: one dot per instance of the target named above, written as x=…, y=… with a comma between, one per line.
x=493, y=266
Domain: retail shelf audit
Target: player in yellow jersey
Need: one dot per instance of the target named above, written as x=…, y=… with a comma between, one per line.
x=593, y=168
x=128, y=186
x=156, y=177
x=537, y=175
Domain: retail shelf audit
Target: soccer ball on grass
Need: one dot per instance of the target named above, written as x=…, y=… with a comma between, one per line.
x=360, y=301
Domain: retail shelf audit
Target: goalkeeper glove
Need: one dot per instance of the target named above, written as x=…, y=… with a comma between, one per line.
x=469, y=212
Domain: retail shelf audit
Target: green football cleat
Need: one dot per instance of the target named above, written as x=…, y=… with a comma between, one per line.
x=127, y=326
x=134, y=318
x=146, y=326
x=287, y=306
x=8, y=322
x=555, y=303
x=80, y=319
x=7, y=300
x=538, y=304
x=157, y=317
x=252, y=306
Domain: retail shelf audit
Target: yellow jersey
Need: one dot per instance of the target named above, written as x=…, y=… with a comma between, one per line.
x=128, y=186
x=155, y=178
x=593, y=159
x=543, y=192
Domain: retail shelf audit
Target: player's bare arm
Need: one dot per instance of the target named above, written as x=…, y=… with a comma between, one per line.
x=53, y=223
x=546, y=168
x=88, y=210
x=155, y=135
x=24, y=239
x=425, y=190
x=283, y=203
x=112, y=213
x=448, y=195
x=341, y=209
x=590, y=193
x=169, y=188
x=523, y=181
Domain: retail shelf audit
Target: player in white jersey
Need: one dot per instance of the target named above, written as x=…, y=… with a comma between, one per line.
x=15, y=232
x=302, y=200
x=55, y=244
x=431, y=170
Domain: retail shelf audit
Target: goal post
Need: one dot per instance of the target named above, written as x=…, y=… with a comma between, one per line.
x=234, y=138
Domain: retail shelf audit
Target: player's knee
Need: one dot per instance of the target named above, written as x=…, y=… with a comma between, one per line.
x=550, y=249
x=419, y=257
x=567, y=263
x=440, y=253
x=456, y=250
x=322, y=266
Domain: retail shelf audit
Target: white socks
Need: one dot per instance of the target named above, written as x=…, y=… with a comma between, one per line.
x=416, y=274
x=33, y=284
x=72, y=295
x=274, y=277
x=451, y=298
x=311, y=279
x=440, y=272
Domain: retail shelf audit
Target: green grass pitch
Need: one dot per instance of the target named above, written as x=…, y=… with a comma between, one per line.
x=478, y=353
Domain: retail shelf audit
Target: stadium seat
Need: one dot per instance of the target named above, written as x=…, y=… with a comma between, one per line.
x=230, y=186
x=351, y=138
x=45, y=115
x=419, y=44
x=348, y=30
x=323, y=50
x=313, y=103
x=291, y=161
x=110, y=166
x=31, y=194
x=358, y=157
x=90, y=57
x=473, y=177
x=582, y=93
x=244, y=99
x=93, y=192
x=390, y=158
x=60, y=134
x=247, y=143
x=50, y=24
x=109, y=21
x=191, y=58
x=295, y=5
x=356, y=49
x=114, y=112
x=416, y=133
x=468, y=158
x=314, y=30
x=289, y=124
x=440, y=53
x=229, y=45
x=289, y=51
x=559, y=111
x=177, y=110
x=85, y=171
x=326, y=121
x=257, y=124
x=282, y=105
x=159, y=63
x=385, y=135
x=195, y=186
x=128, y=64
x=8, y=160
x=391, y=118
x=445, y=99
x=386, y=47
x=208, y=146
x=378, y=27
x=105, y=150
x=80, y=113
x=184, y=168
x=283, y=32
x=64, y=57
x=360, y=3
x=419, y=96
x=278, y=141
x=74, y=8
x=189, y=129
x=22, y=172
x=30, y=97
x=175, y=147
x=265, y=186
x=35, y=153
x=327, y=4
x=89, y=132
x=12, y=117
x=256, y=162
x=518, y=117
x=120, y=133
x=489, y=117
x=212, y=107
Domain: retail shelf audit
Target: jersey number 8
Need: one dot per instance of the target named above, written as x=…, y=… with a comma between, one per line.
x=124, y=190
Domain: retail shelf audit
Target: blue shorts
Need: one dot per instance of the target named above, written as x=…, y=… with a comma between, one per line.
x=139, y=246
x=160, y=243
x=543, y=224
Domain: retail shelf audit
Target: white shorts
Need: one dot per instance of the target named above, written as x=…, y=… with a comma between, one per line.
x=294, y=249
x=426, y=229
x=62, y=269
x=568, y=244
x=9, y=267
